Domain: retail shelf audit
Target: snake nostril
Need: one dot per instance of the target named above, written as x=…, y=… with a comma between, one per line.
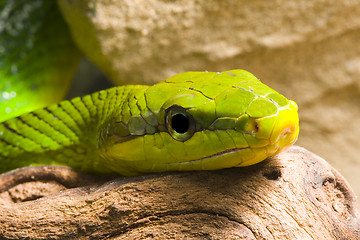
x=256, y=127
x=248, y=125
x=253, y=126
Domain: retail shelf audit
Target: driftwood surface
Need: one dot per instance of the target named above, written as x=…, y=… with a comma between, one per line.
x=295, y=195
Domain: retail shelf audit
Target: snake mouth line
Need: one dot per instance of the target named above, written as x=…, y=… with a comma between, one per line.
x=227, y=151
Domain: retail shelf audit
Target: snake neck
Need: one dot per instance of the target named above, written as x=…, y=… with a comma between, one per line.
x=68, y=133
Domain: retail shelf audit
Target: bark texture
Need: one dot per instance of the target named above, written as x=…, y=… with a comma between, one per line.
x=308, y=50
x=295, y=195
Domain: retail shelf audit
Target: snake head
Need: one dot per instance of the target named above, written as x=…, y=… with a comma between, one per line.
x=205, y=121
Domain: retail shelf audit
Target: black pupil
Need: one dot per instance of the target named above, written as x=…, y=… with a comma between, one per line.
x=180, y=123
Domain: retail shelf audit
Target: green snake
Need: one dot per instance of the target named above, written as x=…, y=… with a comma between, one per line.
x=191, y=121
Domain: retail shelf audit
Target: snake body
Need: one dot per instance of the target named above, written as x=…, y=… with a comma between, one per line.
x=191, y=121
x=38, y=58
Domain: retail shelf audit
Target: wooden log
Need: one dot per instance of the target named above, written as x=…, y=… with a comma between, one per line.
x=295, y=195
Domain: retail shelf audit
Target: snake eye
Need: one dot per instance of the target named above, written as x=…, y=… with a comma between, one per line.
x=179, y=123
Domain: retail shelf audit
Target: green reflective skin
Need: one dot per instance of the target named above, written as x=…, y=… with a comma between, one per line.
x=232, y=120
x=38, y=58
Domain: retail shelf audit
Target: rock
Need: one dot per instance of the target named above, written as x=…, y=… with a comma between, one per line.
x=307, y=50
x=295, y=195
